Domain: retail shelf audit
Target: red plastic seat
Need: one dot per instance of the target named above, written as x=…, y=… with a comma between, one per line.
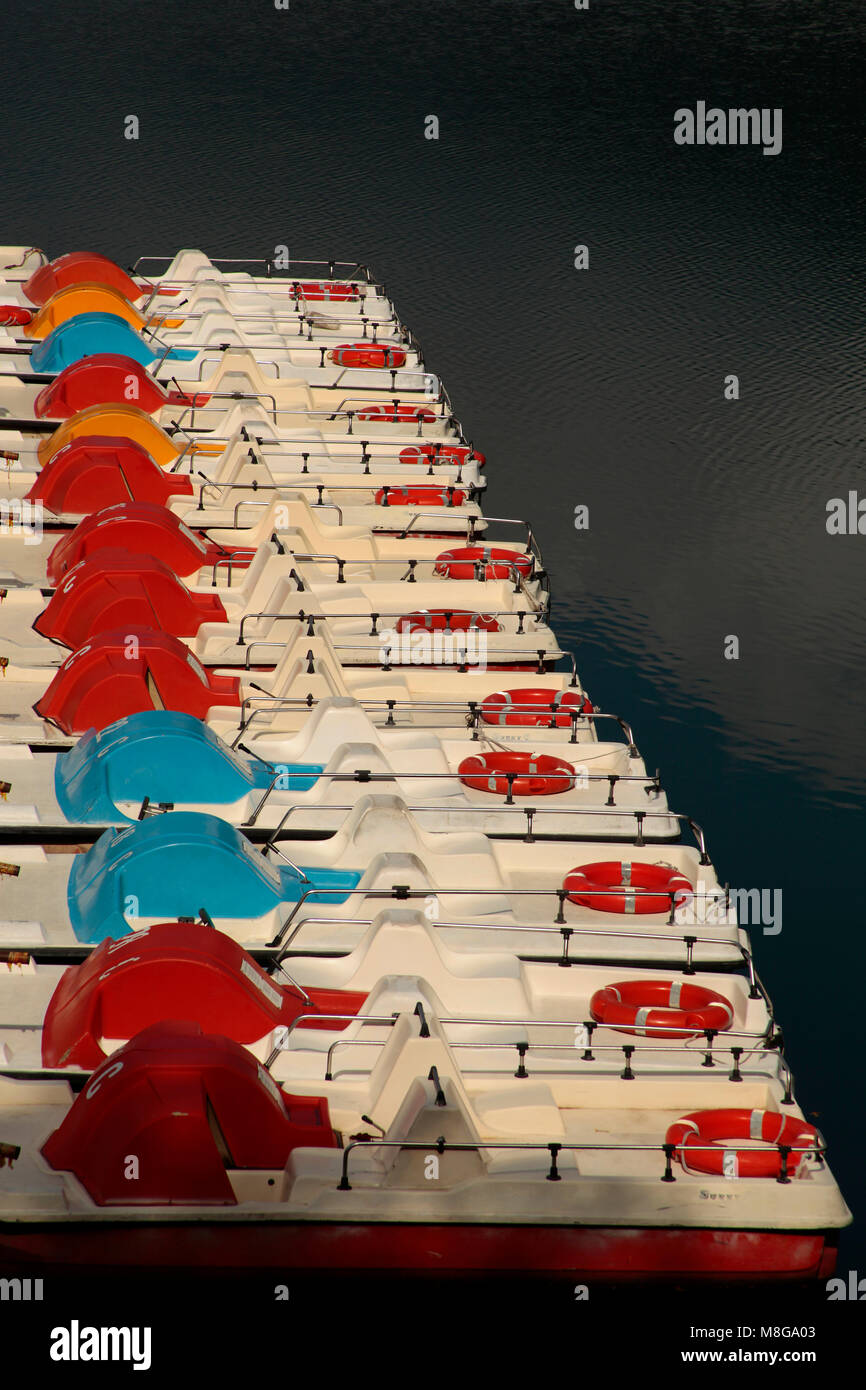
x=177, y=970
x=187, y=1106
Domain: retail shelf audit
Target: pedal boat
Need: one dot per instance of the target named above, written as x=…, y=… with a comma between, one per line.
x=421, y=1161
x=177, y=862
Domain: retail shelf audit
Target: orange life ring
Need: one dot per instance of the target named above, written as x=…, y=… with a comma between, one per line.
x=447, y=620
x=14, y=314
x=533, y=774
x=721, y=1126
x=535, y=707
x=396, y=414
x=585, y=886
x=367, y=355
x=466, y=560
x=660, y=1008
x=423, y=496
x=442, y=453
x=320, y=290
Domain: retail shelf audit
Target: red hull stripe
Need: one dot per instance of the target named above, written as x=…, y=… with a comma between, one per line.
x=600, y=1251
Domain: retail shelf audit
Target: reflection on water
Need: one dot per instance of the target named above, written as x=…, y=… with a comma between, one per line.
x=604, y=387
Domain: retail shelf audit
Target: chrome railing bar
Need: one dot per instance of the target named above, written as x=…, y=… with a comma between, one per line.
x=555, y=1147
x=275, y=702
x=400, y=893
x=364, y=776
x=374, y=617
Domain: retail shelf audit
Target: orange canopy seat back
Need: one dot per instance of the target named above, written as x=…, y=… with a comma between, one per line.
x=126, y=421
x=82, y=299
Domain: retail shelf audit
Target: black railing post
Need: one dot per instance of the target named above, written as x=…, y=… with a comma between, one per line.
x=566, y=939
x=784, y=1150
x=710, y=1034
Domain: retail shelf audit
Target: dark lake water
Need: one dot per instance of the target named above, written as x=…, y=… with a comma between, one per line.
x=602, y=387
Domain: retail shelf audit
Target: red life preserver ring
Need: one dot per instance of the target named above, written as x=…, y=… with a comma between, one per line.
x=396, y=414
x=423, y=496
x=464, y=562
x=442, y=453
x=534, y=706
x=720, y=1126
x=660, y=1008
x=320, y=290
x=367, y=355
x=447, y=620
x=583, y=884
x=536, y=774
x=14, y=314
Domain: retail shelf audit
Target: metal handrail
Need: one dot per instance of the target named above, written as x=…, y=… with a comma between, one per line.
x=267, y=504
x=229, y=347
x=772, y=1044
x=177, y=425
x=401, y=377
x=386, y=452
x=286, y=489
x=439, y=405
x=375, y=617
x=311, y=317
x=712, y=1053
x=555, y=1147
x=515, y=575
x=403, y=893
x=292, y=318
x=288, y=449
x=639, y=840
x=366, y=775
x=301, y=315
x=460, y=663
x=328, y=414
x=282, y=950
x=381, y=1020
x=291, y=863
x=403, y=372
x=472, y=709
x=230, y=560
x=363, y=274
x=533, y=549
x=767, y=1035
x=404, y=339
x=380, y=456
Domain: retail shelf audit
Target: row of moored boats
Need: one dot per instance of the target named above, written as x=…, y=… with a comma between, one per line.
x=343, y=927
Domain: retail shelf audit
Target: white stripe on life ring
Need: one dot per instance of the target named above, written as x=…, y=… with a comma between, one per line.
x=676, y=991
x=640, y=1021
x=756, y=1121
